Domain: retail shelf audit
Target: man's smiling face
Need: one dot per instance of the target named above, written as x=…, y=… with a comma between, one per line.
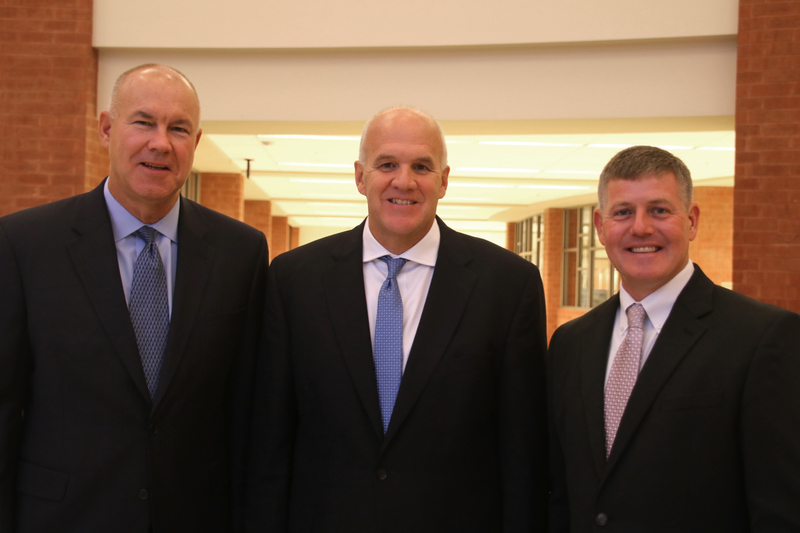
x=151, y=139
x=402, y=176
x=646, y=230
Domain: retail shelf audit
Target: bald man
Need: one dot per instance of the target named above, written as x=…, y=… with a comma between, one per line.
x=401, y=387
x=128, y=331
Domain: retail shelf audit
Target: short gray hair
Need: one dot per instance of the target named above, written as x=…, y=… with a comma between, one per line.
x=362, y=150
x=642, y=161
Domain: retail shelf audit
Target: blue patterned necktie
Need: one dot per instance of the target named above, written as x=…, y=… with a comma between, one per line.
x=388, y=349
x=149, y=307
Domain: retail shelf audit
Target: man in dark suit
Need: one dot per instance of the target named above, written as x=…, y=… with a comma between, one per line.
x=674, y=405
x=118, y=419
x=341, y=441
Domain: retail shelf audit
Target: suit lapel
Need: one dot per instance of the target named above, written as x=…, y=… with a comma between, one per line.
x=680, y=332
x=94, y=256
x=594, y=359
x=347, y=304
x=447, y=298
x=195, y=257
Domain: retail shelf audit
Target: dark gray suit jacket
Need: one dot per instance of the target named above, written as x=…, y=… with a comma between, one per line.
x=465, y=449
x=710, y=438
x=82, y=447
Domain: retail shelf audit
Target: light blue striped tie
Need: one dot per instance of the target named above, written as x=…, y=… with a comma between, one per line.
x=388, y=349
x=149, y=307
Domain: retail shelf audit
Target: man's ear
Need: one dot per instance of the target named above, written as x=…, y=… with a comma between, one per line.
x=362, y=187
x=104, y=127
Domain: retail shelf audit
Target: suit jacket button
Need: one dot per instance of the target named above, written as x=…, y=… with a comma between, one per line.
x=601, y=519
x=143, y=494
x=152, y=429
x=382, y=474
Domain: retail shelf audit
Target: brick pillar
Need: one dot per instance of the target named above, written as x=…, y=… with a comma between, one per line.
x=294, y=237
x=280, y=236
x=766, y=217
x=48, y=116
x=552, y=258
x=712, y=249
x=258, y=213
x=511, y=235
x=223, y=193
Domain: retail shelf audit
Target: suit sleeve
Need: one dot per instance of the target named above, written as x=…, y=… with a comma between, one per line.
x=274, y=421
x=241, y=388
x=770, y=429
x=558, y=515
x=522, y=415
x=14, y=374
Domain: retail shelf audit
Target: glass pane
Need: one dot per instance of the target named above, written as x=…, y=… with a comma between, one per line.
x=571, y=228
x=601, y=279
x=570, y=281
x=583, y=290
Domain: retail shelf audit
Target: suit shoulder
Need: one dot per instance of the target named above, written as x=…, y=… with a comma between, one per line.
x=491, y=253
x=574, y=326
x=227, y=229
x=747, y=310
x=313, y=252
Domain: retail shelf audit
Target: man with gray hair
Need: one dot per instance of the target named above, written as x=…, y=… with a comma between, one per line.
x=674, y=404
x=129, y=324
x=402, y=383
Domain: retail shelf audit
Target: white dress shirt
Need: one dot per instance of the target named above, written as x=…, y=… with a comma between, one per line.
x=129, y=246
x=414, y=280
x=657, y=305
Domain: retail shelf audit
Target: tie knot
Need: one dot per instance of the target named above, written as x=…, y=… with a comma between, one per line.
x=147, y=233
x=394, y=264
x=636, y=316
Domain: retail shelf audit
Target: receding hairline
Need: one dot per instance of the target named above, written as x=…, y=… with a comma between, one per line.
x=362, y=151
x=120, y=82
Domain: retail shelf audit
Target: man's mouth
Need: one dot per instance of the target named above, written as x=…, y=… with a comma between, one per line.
x=155, y=167
x=644, y=249
x=397, y=201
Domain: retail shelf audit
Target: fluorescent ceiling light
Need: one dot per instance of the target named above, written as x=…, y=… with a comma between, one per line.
x=556, y=187
x=329, y=165
x=512, y=170
x=313, y=137
x=592, y=172
x=609, y=145
x=527, y=143
x=480, y=185
x=719, y=148
x=320, y=180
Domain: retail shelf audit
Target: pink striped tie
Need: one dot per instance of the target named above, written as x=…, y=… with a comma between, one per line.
x=624, y=372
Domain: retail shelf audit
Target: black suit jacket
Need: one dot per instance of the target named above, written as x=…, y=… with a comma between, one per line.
x=710, y=438
x=465, y=449
x=82, y=446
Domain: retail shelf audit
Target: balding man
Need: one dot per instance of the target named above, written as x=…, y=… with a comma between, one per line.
x=128, y=331
x=401, y=388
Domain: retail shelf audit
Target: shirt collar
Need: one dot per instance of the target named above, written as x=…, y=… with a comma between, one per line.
x=123, y=223
x=659, y=303
x=424, y=252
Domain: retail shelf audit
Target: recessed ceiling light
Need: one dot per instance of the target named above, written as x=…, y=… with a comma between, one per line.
x=488, y=169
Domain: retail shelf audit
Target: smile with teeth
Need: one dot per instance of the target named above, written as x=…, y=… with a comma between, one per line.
x=644, y=249
x=155, y=167
x=401, y=202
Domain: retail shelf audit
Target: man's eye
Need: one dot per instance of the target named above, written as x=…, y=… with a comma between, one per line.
x=660, y=210
x=180, y=130
x=141, y=122
x=622, y=212
x=386, y=166
x=421, y=168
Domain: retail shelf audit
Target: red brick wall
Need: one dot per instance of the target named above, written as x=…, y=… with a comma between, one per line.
x=280, y=236
x=766, y=220
x=258, y=213
x=48, y=78
x=223, y=192
x=511, y=235
x=552, y=258
x=712, y=249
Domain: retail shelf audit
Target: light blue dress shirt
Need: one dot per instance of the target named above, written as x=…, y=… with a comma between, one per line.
x=129, y=246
